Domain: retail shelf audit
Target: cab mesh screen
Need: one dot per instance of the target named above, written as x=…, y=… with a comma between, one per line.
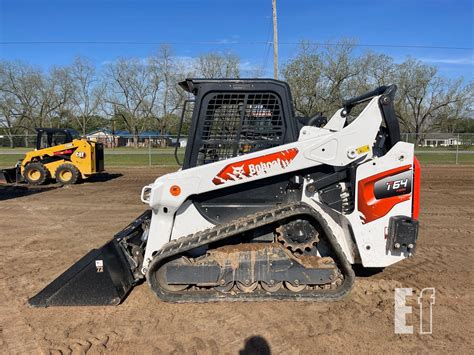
x=240, y=123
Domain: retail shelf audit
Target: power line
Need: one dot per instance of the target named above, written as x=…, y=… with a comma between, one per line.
x=266, y=56
x=268, y=45
x=227, y=43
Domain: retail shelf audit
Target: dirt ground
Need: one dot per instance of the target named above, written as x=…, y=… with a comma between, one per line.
x=43, y=233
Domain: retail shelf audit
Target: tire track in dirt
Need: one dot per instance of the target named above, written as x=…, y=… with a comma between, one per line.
x=94, y=343
x=16, y=334
x=426, y=266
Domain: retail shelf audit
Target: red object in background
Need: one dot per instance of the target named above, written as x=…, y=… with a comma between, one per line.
x=255, y=166
x=368, y=205
x=416, y=188
x=64, y=152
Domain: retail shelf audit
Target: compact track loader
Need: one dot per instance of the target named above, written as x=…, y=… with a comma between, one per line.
x=60, y=153
x=266, y=206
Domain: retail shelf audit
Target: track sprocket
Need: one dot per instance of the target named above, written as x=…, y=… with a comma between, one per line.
x=298, y=235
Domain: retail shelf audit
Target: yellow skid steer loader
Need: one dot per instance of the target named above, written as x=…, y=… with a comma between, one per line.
x=60, y=154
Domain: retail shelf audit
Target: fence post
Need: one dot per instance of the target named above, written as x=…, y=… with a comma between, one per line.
x=406, y=137
x=457, y=150
x=149, y=151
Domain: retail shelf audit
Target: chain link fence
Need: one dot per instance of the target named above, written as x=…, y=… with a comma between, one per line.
x=442, y=148
x=120, y=150
x=153, y=150
x=17, y=141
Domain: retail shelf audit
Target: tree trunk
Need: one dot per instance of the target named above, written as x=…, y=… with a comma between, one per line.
x=418, y=138
x=26, y=139
x=136, y=137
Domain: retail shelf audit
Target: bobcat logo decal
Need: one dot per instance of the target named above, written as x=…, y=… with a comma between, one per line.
x=256, y=166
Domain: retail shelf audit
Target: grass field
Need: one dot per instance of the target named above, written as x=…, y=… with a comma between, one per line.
x=167, y=150
x=170, y=150
x=10, y=160
x=445, y=158
x=166, y=157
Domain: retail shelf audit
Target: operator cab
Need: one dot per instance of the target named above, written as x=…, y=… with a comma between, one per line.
x=50, y=137
x=232, y=117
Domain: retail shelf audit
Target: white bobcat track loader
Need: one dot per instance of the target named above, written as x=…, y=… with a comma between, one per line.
x=266, y=206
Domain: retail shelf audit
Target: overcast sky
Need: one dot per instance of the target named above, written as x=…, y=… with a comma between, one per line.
x=232, y=25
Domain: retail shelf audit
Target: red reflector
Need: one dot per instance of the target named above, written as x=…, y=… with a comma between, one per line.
x=416, y=188
x=62, y=152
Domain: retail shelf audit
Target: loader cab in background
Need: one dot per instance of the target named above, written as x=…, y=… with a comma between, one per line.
x=50, y=137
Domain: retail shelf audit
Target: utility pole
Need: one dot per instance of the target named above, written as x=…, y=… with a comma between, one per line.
x=275, y=40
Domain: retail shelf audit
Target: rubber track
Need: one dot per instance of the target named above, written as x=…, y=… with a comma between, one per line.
x=224, y=231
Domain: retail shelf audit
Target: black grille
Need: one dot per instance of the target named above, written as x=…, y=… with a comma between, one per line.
x=99, y=157
x=240, y=123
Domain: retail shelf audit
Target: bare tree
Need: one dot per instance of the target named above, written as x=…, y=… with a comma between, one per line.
x=57, y=92
x=164, y=71
x=304, y=74
x=374, y=70
x=87, y=92
x=132, y=94
x=424, y=97
x=216, y=65
x=144, y=93
x=19, y=89
x=32, y=99
x=320, y=77
x=456, y=117
x=169, y=71
x=8, y=120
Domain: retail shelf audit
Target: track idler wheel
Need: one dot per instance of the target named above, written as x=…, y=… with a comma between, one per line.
x=294, y=287
x=271, y=287
x=247, y=288
x=225, y=288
